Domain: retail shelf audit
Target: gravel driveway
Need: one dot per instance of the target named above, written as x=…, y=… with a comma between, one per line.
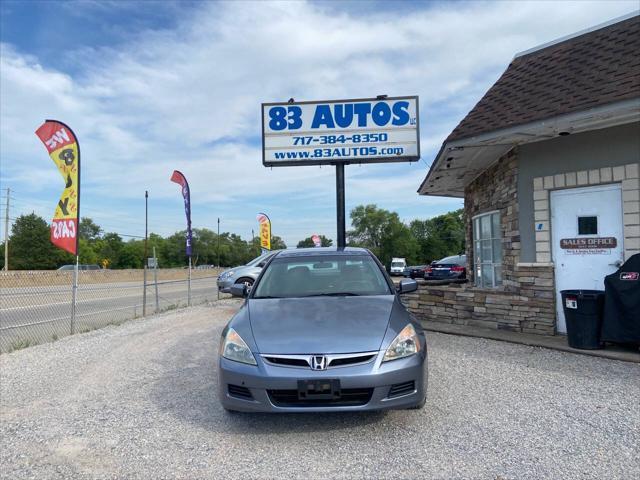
x=139, y=401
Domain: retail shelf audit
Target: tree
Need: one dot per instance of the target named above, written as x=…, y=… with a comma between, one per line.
x=440, y=236
x=383, y=233
x=110, y=250
x=88, y=254
x=308, y=242
x=89, y=230
x=30, y=246
x=277, y=243
x=132, y=254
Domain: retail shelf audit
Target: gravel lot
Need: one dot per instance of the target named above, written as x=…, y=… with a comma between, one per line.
x=139, y=401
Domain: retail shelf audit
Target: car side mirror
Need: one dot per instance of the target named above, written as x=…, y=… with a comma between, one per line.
x=261, y=264
x=407, y=285
x=238, y=290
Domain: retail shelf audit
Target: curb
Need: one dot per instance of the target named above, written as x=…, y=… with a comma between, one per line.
x=551, y=343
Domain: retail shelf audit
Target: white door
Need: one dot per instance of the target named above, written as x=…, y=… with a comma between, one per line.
x=586, y=239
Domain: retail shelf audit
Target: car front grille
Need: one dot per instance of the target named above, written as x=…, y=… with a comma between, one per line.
x=289, y=362
x=400, y=389
x=332, y=360
x=239, y=392
x=339, y=362
x=349, y=397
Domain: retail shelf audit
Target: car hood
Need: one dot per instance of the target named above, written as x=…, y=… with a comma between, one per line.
x=320, y=324
x=235, y=269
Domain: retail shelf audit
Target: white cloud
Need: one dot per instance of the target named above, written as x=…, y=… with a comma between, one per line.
x=189, y=99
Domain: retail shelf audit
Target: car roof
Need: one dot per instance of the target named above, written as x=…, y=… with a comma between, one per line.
x=315, y=251
x=453, y=257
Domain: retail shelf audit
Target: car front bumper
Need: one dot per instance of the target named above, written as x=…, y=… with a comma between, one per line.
x=374, y=377
x=224, y=285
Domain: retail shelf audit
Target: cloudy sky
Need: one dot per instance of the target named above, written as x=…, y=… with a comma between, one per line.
x=150, y=87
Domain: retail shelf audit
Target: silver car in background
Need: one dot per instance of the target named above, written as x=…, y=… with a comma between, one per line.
x=245, y=274
x=322, y=329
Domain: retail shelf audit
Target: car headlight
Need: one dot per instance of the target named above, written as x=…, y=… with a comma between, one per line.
x=405, y=344
x=233, y=347
x=226, y=274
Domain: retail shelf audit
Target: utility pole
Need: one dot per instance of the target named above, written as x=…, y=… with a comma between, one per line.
x=146, y=224
x=6, y=233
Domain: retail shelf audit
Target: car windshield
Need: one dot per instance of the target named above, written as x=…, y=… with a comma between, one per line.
x=257, y=260
x=397, y=264
x=322, y=275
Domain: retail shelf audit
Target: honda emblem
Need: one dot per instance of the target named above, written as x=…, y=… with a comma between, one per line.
x=318, y=362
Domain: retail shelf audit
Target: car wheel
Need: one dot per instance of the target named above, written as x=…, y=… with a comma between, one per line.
x=248, y=282
x=420, y=405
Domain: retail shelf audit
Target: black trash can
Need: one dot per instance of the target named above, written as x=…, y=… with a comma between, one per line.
x=583, y=314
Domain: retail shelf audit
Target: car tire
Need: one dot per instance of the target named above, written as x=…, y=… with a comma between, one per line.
x=420, y=405
x=247, y=281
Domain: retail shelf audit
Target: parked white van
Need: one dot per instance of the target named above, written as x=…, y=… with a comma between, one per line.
x=397, y=266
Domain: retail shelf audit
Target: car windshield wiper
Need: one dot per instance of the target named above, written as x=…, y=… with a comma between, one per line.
x=266, y=296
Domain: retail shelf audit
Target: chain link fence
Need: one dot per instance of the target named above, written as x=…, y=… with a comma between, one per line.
x=37, y=306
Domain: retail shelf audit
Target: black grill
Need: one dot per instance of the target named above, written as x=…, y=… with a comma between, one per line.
x=240, y=392
x=292, y=362
x=401, y=389
x=349, y=397
x=338, y=362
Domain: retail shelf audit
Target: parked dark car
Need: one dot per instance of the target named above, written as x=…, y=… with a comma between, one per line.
x=416, y=271
x=322, y=330
x=448, y=268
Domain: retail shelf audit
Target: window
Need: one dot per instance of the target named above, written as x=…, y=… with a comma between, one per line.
x=487, y=250
x=587, y=225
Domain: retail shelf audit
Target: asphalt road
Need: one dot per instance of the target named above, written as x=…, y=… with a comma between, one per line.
x=139, y=401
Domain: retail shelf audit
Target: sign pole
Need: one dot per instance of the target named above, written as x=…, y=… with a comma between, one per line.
x=189, y=286
x=155, y=278
x=6, y=233
x=217, y=289
x=340, y=205
x=144, y=274
x=74, y=292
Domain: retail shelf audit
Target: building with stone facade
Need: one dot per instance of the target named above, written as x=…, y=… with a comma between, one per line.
x=548, y=165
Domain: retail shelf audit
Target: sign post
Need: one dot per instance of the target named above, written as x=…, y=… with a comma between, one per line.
x=340, y=213
x=340, y=132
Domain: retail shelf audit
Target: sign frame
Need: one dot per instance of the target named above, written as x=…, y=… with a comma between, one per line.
x=337, y=161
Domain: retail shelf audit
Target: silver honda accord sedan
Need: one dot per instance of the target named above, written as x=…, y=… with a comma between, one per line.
x=322, y=329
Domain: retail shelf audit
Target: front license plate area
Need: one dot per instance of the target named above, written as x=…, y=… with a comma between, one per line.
x=320, y=389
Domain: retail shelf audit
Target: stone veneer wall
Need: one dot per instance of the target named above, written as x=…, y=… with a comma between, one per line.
x=525, y=302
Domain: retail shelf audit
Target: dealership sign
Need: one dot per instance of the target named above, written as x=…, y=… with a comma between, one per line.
x=377, y=130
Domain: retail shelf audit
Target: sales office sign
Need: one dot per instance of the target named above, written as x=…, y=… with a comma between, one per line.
x=589, y=245
x=371, y=130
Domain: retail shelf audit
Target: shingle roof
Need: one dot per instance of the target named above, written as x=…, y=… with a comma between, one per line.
x=592, y=69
